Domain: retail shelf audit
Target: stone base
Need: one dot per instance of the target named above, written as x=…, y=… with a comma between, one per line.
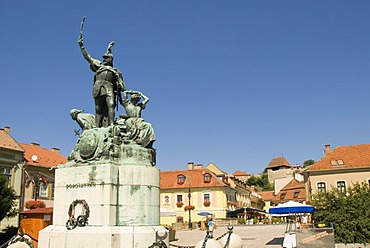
x=101, y=237
x=116, y=195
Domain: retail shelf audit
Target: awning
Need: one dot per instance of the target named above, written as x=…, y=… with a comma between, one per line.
x=291, y=207
x=244, y=210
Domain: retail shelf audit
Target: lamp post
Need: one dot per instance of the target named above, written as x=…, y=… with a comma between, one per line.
x=189, y=196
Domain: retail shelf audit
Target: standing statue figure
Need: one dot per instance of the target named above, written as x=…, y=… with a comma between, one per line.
x=141, y=132
x=108, y=84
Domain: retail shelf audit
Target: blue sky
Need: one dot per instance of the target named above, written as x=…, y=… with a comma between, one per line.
x=234, y=83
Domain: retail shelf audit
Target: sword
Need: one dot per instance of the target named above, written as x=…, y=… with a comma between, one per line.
x=82, y=26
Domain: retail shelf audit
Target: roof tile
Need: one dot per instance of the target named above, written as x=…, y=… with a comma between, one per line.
x=44, y=156
x=277, y=162
x=7, y=141
x=194, y=179
x=353, y=156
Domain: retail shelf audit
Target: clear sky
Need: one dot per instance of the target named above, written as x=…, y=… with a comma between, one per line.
x=234, y=83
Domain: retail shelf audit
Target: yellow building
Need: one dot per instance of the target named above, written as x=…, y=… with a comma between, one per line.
x=196, y=188
x=30, y=169
x=245, y=196
x=340, y=168
x=11, y=160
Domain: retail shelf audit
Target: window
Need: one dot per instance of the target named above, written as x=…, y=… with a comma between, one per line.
x=296, y=194
x=206, y=197
x=181, y=179
x=282, y=196
x=321, y=187
x=166, y=200
x=207, y=177
x=43, y=190
x=179, y=198
x=52, y=190
x=6, y=171
x=337, y=162
x=341, y=186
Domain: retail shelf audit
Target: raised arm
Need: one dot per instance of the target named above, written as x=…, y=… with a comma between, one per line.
x=145, y=99
x=93, y=62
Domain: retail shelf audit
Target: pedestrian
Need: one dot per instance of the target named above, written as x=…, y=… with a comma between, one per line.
x=211, y=226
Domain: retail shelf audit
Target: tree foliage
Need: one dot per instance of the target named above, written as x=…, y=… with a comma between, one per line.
x=348, y=211
x=308, y=163
x=261, y=182
x=7, y=199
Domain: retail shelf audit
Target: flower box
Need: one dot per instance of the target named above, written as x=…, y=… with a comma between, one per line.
x=189, y=207
x=179, y=204
x=33, y=204
x=206, y=203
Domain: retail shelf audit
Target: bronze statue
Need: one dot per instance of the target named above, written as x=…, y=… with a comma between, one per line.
x=108, y=83
x=84, y=120
x=103, y=138
x=141, y=132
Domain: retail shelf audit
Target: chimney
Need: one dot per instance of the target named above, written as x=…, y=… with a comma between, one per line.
x=198, y=166
x=7, y=129
x=190, y=165
x=35, y=144
x=327, y=149
x=55, y=150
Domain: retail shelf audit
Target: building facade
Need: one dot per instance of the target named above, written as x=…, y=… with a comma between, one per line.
x=30, y=171
x=11, y=164
x=196, y=188
x=340, y=168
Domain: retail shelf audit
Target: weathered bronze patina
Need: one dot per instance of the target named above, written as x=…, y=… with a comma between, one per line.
x=104, y=138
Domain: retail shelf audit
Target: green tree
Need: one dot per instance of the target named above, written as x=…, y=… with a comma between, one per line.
x=261, y=182
x=348, y=211
x=308, y=163
x=7, y=199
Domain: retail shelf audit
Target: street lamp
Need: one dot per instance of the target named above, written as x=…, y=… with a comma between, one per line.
x=189, y=196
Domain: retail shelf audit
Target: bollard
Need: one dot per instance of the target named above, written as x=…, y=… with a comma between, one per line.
x=234, y=241
x=209, y=243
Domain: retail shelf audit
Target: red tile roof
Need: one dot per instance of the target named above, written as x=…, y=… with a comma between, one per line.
x=267, y=195
x=294, y=190
x=194, y=178
x=240, y=173
x=278, y=162
x=7, y=141
x=354, y=156
x=36, y=155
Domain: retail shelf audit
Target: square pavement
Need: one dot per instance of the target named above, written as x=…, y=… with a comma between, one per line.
x=252, y=235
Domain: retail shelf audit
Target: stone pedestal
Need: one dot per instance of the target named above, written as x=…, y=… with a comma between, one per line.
x=123, y=204
x=100, y=237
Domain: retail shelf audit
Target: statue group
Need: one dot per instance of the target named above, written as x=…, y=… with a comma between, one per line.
x=104, y=137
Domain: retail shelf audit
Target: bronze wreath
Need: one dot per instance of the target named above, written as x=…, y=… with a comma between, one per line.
x=81, y=220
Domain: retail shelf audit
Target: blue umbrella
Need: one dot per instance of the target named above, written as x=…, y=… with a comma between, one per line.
x=204, y=213
x=291, y=207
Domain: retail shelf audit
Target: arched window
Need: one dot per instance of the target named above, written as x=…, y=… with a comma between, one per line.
x=181, y=179
x=207, y=177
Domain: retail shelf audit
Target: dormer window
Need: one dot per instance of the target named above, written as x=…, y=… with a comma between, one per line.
x=181, y=179
x=296, y=194
x=224, y=180
x=207, y=177
x=338, y=162
x=282, y=196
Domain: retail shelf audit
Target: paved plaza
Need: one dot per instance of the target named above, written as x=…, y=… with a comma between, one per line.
x=251, y=235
